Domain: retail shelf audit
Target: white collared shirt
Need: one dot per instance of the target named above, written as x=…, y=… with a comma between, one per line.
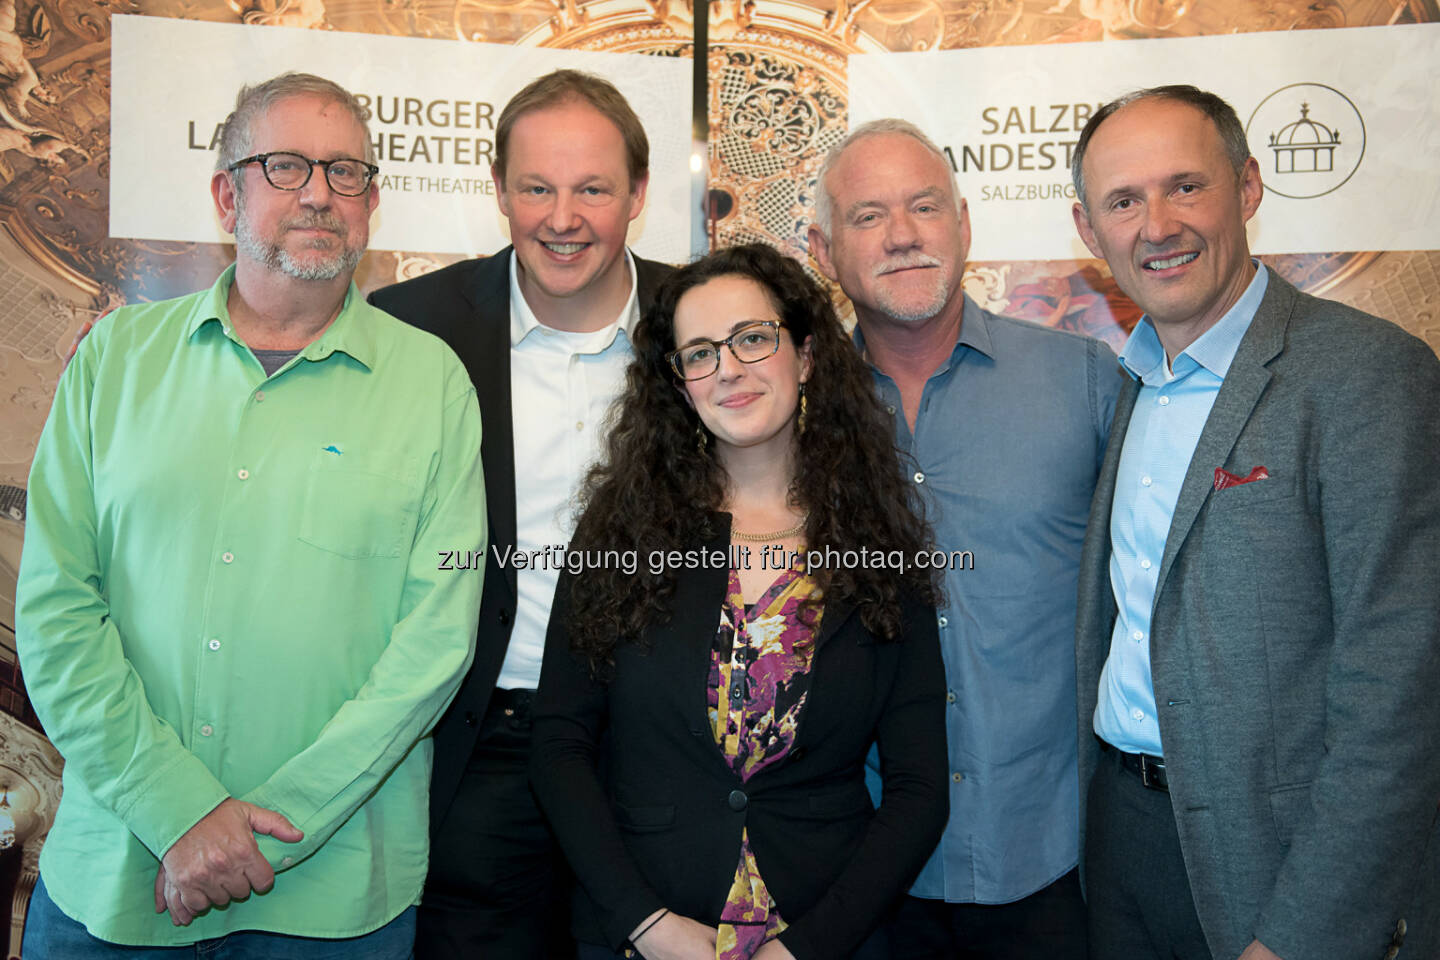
x=561, y=387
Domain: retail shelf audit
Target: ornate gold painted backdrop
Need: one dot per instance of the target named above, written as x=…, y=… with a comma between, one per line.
x=778, y=102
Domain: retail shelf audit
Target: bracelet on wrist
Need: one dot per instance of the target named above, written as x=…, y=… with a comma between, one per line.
x=636, y=938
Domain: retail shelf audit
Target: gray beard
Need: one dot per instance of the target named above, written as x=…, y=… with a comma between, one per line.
x=921, y=312
x=276, y=257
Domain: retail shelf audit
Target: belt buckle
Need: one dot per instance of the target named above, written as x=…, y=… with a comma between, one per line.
x=1148, y=764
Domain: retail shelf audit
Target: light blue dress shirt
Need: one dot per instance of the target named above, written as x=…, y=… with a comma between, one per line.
x=1006, y=452
x=1169, y=415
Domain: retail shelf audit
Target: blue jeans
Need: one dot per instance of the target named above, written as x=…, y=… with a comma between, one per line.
x=51, y=935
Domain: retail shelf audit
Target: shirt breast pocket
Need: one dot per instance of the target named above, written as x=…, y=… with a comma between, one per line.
x=359, y=509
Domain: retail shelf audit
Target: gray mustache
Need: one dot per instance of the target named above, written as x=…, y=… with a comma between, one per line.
x=318, y=220
x=906, y=263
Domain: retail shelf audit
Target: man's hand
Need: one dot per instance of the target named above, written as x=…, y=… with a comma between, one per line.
x=676, y=938
x=217, y=860
x=774, y=950
x=1256, y=951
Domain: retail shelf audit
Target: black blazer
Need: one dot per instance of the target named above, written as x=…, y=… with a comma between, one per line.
x=664, y=830
x=467, y=304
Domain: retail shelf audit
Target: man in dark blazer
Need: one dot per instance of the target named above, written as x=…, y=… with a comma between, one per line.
x=1258, y=645
x=570, y=174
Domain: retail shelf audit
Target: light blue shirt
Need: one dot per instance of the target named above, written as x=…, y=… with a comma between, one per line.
x=1169, y=415
x=1006, y=451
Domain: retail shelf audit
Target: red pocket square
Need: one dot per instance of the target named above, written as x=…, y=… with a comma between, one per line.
x=1224, y=478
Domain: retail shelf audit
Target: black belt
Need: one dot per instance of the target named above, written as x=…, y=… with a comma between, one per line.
x=1150, y=770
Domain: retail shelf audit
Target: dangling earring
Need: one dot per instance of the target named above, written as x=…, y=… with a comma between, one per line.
x=702, y=439
x=800, y=420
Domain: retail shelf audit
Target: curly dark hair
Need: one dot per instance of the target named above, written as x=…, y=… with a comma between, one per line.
x=654, y=490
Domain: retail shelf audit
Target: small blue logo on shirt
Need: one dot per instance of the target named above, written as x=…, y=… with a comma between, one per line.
x=333, y=449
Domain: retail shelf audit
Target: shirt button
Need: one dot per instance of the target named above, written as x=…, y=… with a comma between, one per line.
x=1164, y=401
x=1137, y=636
x=957, y=776
x=890, y=409
x=919, y=477
x=737, y=800
x=214, y=644
x=227, y=557
x=243, y=474
x=206, y=730
x=259, y=396
x=1145, y=481
x=1145, y=564
x=1138, y=714
x=579, y=424
x=949, y=696
x=944, y=621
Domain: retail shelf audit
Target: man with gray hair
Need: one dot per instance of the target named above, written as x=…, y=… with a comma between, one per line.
x=230, y=616
x=1258, y=645
x=1006, y=422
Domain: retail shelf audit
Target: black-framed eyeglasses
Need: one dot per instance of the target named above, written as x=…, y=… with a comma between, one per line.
x=291, y=171
x=750, y=344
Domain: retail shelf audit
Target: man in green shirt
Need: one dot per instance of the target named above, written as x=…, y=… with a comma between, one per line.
x=233, y=618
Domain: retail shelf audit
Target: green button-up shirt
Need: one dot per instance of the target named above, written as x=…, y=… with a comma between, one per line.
x=229, y=588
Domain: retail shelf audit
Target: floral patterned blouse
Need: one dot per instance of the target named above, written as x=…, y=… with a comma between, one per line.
x=759, y=677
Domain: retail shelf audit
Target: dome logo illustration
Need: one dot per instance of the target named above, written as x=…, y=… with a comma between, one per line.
x=1308, y=138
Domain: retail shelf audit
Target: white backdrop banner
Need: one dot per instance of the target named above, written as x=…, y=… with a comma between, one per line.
x=1345, y=125
x=434, y=106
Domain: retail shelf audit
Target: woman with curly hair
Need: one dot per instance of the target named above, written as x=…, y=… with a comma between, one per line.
x=743, y=632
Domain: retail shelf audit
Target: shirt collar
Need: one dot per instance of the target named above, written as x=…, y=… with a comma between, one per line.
x=1144, y=358
x=349, y=334
x=974, y=333
x=975, y=329
x=523, y=321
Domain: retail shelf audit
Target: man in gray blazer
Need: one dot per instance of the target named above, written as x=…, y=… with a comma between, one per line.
x=1258, y=641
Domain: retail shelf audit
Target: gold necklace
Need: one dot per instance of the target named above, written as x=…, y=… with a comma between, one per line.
x=770, y=537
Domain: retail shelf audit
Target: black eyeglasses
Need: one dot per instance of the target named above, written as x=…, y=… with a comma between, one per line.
x=291, y=171
x=750, y=344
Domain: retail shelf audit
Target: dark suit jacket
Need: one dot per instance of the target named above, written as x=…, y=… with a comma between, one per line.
x=1295, y=643
x=664, y=830
x=467, y=304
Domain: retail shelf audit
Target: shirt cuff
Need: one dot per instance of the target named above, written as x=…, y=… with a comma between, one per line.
x=175, y=801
